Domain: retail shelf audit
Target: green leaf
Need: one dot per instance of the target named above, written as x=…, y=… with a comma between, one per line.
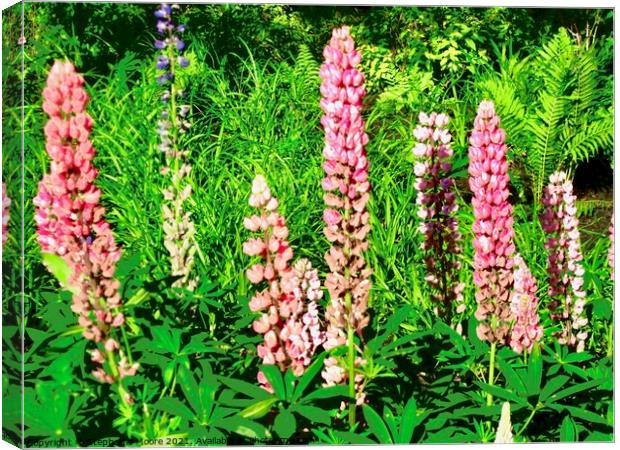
x=581, y=413
x=353, y=438
x=274, y=376
x=313, y=413
x=175, y=407
x=553, y=385
x=285, y=424
x=328, y=392
x=60, y=269
x=568, y=431
x=515, y=382
x=376, y=425
x=409, y=422
x=307, y=377
x=534, y=371
x=258, y=409
x=243, y=427
x=575, y=389
x=289, y=384
x=502, y=393
x=243, y=387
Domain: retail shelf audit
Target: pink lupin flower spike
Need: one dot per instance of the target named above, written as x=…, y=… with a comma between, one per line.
x=610, y=254
x=493, y=225
x=289, y=315
x=436, y=209
x=559, y=221
x=347, y=193
x=6, y=203
x=527, y=329
x=70, y=219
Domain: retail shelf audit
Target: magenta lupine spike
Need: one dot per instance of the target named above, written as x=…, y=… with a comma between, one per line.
x=436, y=209
x=289, y=319
x=6, y=203
x=493, y=225
x=527, y=329
x=610, y=254
x=347, y=190
x=70, y=220
x=559, y=221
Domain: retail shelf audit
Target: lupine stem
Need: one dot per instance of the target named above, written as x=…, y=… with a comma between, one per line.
x=351, y=362
x=527, y=422
x=491, y=372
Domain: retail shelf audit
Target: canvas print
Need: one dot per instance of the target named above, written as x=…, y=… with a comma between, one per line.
x=270, y=224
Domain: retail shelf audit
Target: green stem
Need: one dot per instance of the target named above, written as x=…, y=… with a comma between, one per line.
x=527, y=422
x=351, y=362
x=491, y=372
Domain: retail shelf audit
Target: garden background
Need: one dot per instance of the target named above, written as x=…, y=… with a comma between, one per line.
x=253, y=86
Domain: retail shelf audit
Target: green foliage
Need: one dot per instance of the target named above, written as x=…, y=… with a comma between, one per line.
x=253, y=86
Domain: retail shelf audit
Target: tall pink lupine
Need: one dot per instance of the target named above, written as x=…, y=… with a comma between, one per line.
x=527, y=329
x=493, y=225
x=436, y=209
x=559, y=221
x=347, y=193
x=610, y=254
x=70, y=221
x=6, y=203
x=289, y=319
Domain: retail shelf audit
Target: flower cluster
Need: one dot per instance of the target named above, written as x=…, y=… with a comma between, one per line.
x=559, y=221
x=289, y=317
x=6, y=203
x=503, y=434
x=179, y=229
x=610, y=254
x=493, y=225
x=436, y=209
x=347, y=192
x=526, y=329
x=70, y=220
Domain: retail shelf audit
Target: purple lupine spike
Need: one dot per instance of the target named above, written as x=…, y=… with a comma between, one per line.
x=559, y=221
x=179, y=229
x=493, y=225
x=436, y=209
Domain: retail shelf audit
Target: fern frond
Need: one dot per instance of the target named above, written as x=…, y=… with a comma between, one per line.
x=586, y=208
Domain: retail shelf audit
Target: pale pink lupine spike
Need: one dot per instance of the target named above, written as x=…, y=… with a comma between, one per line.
x=437, y=210
x=347, y=191
x=493, y=224
x=289, y=317
x=6, y=203
x=527, y=329
x=565, y=272
x=70, y=220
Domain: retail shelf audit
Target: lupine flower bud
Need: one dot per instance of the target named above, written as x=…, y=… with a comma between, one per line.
x=504, y=428
x=179, y=229
x=70, y=220
x=6, y=203
x=559, y=221
x=437, y=208
x=348, y=189
x=289, y=317
x=527, y=328
x=493, y=225
x=610, y=255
